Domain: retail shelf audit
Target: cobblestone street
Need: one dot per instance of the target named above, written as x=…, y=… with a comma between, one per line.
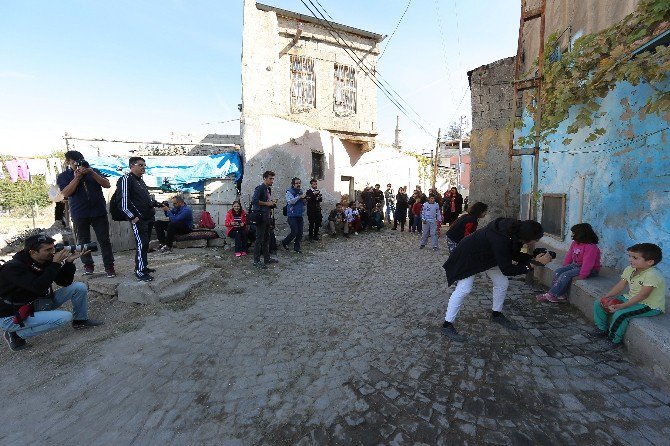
x=338, y=346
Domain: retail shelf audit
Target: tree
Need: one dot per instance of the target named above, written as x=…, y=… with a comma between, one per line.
x=454, y=130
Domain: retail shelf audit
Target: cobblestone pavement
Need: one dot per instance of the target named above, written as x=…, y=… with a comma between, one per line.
x=340, y=346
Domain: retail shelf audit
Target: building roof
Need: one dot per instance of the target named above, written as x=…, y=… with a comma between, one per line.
x=310, y=19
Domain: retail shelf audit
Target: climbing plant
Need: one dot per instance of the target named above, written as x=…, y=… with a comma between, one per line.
x=424, y=165
x=597, y=62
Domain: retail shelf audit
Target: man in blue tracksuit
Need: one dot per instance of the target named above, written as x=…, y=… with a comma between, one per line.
x=295, y=206
x=181, y=222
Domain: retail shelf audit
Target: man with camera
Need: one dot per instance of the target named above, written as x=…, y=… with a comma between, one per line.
x=27, y=300
x=138, y=205
x=262, y=205
x=313, y=199
x=180, y=222
x=82, y=186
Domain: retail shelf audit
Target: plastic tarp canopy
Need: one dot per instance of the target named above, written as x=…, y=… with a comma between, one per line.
x=186, y=173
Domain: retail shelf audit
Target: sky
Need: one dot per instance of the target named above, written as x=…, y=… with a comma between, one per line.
x=150, y=70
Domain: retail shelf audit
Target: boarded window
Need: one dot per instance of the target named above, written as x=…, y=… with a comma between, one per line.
x=303, y=84
x=317, y=165
x=553, y=214
x=344, y=92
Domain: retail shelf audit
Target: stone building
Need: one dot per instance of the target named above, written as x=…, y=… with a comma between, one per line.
x=495, y=175
x=309, y=104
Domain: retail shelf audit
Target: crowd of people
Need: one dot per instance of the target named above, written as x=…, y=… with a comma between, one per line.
x=29, y=304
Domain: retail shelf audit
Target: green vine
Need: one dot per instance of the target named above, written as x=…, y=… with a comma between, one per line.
x=424, y=165
x=596, y=63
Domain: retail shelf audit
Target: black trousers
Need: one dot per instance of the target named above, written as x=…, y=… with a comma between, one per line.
x=262, y=245
x=142, y=231
x=240, y=237
x=172, y=229
x=82, y=232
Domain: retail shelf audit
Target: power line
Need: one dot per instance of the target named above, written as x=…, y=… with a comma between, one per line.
x=367, y=70
x=221, y=122
x=396, y=29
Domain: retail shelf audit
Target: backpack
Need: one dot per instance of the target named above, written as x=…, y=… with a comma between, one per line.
x=206, y=220
x=115, y=205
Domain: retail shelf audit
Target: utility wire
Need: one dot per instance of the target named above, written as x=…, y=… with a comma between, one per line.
x=367, y=70
x=396, y=29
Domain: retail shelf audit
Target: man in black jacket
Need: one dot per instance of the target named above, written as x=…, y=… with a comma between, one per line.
x=314, y=216
x=29, y=276
x=137, y=204
x=495, y=250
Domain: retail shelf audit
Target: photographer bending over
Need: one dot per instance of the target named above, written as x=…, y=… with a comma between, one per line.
x=82, y=186
x=491, y=250
x=181, y=222
x=28, y=305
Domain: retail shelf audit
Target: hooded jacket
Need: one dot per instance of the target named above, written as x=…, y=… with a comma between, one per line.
x=485, y=249
x=22, y=280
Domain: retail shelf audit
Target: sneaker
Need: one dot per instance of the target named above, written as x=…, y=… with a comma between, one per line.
x=543, y=297
x=450, y=332
x=260, y=265
x=501, y=319
x=148, y=270
x=269, y=261
x=88, y=270
x=238, y=254
x=14, y=341
x=394, y=229
x=355, y=233
x=87, y=323
x=243, y=253
x=562, y=298
x=434, y=248
x=422, y=246
x=554, y=299
x=110, y=272
x=144, y=277
x=166, y=249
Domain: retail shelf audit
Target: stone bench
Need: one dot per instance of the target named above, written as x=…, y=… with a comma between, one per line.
x=647, y=339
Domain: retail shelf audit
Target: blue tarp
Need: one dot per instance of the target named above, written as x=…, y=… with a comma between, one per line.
x=186, y=173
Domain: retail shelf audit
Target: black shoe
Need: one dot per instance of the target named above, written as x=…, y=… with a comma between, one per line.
x=260, y=265
x=450, y=332
x=284, y=246
x=422, y=246
x=144, y=277
x=597, y=333
x=149, y=270
x=501, y=319
x=14, y=341
x=268, y=261
x=88, y=323
x=394, y=229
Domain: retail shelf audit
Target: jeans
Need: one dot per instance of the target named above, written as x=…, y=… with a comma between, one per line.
x=142, y=231
x=82, y=227
x=172, y=229
x=563, y=278
x=418, y=223
x=296, y=224
x=262, y=245
x=390, y=210
x=44, y=321
x=240, y=237
x=464, y=286
x=430, y=229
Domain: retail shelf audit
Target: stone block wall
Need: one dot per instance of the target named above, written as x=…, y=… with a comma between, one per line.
x=495, y=176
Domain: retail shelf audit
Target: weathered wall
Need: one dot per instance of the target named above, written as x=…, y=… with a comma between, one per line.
x=495, y=177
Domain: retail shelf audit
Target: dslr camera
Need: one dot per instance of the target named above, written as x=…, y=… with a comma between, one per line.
x=92, y=246
x=82, y=163
x=538, y=251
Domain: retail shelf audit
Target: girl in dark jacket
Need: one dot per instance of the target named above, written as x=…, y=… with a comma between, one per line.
x=492, y=250
x=401, y=204
x=465, y=225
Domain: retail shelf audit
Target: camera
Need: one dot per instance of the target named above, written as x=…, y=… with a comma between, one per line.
x=82, y=163
x=538, y=251
x=92, y=246
x=165, y=204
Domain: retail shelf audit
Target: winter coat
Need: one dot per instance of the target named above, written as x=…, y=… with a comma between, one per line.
x=490, y=247
x=463, y=227
x=230, y=219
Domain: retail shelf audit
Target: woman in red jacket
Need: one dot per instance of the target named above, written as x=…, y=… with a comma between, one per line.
x=236, y=222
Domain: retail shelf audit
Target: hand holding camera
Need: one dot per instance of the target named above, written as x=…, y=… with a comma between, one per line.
x=543, y=255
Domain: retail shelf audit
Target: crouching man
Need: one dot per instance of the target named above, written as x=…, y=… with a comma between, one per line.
x=28, y=303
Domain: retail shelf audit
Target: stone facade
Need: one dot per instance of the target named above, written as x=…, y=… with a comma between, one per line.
x=495, y=175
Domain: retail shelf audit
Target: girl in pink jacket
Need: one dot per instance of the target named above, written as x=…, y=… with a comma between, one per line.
x=582, y=261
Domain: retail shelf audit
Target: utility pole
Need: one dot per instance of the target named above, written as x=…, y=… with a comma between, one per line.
x=435, y=160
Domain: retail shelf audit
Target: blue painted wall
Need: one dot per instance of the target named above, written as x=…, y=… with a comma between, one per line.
x=626, y=174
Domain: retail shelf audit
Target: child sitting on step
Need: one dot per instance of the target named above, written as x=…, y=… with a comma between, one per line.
x=581, y=262
x=645, y=297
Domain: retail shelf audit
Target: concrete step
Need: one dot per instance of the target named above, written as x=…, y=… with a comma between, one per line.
x=147, y=293
x=647, y=339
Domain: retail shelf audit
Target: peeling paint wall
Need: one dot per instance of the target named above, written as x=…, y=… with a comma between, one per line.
x=494, y=175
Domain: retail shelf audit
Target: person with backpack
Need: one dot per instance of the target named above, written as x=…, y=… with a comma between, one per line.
x=180, y=222
x=138, y=206
x=82, y=186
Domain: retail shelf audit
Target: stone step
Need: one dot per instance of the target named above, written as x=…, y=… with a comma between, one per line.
x=148, y=293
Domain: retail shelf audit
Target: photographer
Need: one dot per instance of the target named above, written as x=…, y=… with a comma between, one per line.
x=295, y=201
x=181, y=222
x=496, y=250
x=262, y=205
x=313, y=198
x=137, y=204
x=82, y=186
x=28, y=302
